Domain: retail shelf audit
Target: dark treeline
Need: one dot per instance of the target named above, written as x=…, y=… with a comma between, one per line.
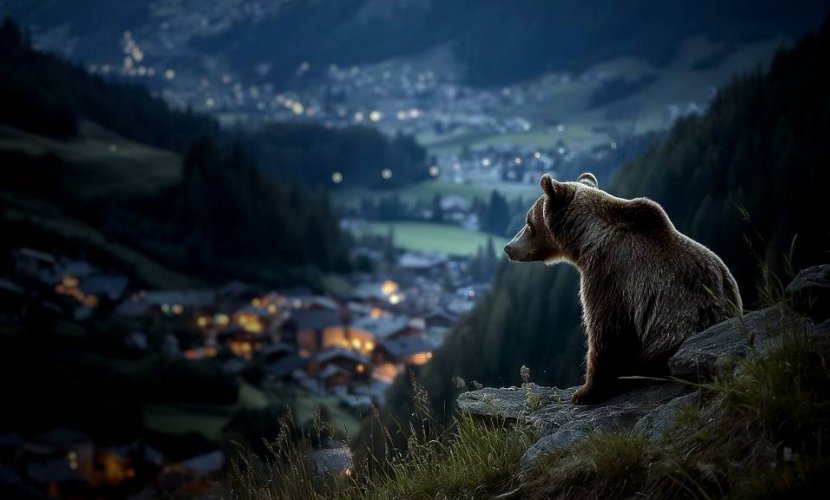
x=760, y=149
x=44, y=94
x=227, y=219
x=311, y=154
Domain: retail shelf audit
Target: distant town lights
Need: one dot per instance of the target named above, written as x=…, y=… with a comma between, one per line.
x=169, y=74
x=389, y=287
x=210, y=102
x=517, y=160
x=337, y=177
x=613, y=145
x=386, y=173
x=375, y=116
x=297, y=108
x=485, y=162
x=358, y=116
x=434, y=171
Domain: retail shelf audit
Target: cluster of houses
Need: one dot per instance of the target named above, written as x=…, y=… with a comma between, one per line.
x=324, y=344
x=63, y=463
x=349, y=347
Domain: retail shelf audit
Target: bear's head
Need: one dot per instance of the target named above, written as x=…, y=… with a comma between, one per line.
x=535, y=241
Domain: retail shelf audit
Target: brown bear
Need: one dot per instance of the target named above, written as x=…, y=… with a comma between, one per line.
x=644, y=286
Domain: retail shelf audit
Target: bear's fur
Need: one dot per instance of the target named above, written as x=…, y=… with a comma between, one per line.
x=644, y=286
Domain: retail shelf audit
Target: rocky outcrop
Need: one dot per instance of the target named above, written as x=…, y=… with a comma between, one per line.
x=650, y=408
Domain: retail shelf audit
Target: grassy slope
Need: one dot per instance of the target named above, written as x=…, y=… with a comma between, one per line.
x=100, y=162
x=97, y=163
x=207, y=420
x=426, y=191
x=343, y=420
x=453, y=240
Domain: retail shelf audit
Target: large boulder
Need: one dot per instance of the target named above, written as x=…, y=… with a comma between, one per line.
x=717, y=349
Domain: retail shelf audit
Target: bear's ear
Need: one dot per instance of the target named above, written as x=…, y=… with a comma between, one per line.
x=588, y=179
x=549, y=186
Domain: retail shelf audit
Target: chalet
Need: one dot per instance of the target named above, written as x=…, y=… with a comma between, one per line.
x=377, y=292
x=403, y=350
x=242, y=342
x=350, y=361
x=314, y=329
x=369, y=330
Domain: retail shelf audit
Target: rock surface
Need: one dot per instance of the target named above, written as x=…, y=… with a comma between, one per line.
x=650, y=408
x=810, y=292
x=717, y=348
x=560, y=422
x=706, y=353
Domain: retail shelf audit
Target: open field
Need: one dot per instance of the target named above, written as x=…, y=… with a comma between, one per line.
x=426, y=191
x=207, y=420
x=100, y=162
x=178, y=419
x=453, y=240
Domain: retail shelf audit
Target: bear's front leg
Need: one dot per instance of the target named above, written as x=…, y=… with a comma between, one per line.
x=598, y=382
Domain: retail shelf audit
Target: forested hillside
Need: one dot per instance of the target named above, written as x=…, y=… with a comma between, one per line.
x=311, y=154
x=46, y=95
x=72, y=182
x=760, y=150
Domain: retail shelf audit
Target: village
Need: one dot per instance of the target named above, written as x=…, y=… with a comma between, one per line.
x=347, y=347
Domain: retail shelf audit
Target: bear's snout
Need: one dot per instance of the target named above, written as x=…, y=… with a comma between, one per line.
x=508, y=249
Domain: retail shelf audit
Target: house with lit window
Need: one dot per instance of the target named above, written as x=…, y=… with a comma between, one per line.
x=403, y=351
x=313, y=330
x=339, y=366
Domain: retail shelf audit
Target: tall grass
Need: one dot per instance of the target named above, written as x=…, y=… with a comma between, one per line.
x=470, y=459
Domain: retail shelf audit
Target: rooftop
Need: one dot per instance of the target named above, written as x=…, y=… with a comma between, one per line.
x=406, y=346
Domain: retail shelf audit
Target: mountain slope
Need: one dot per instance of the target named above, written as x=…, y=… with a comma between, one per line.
x=497, y=42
